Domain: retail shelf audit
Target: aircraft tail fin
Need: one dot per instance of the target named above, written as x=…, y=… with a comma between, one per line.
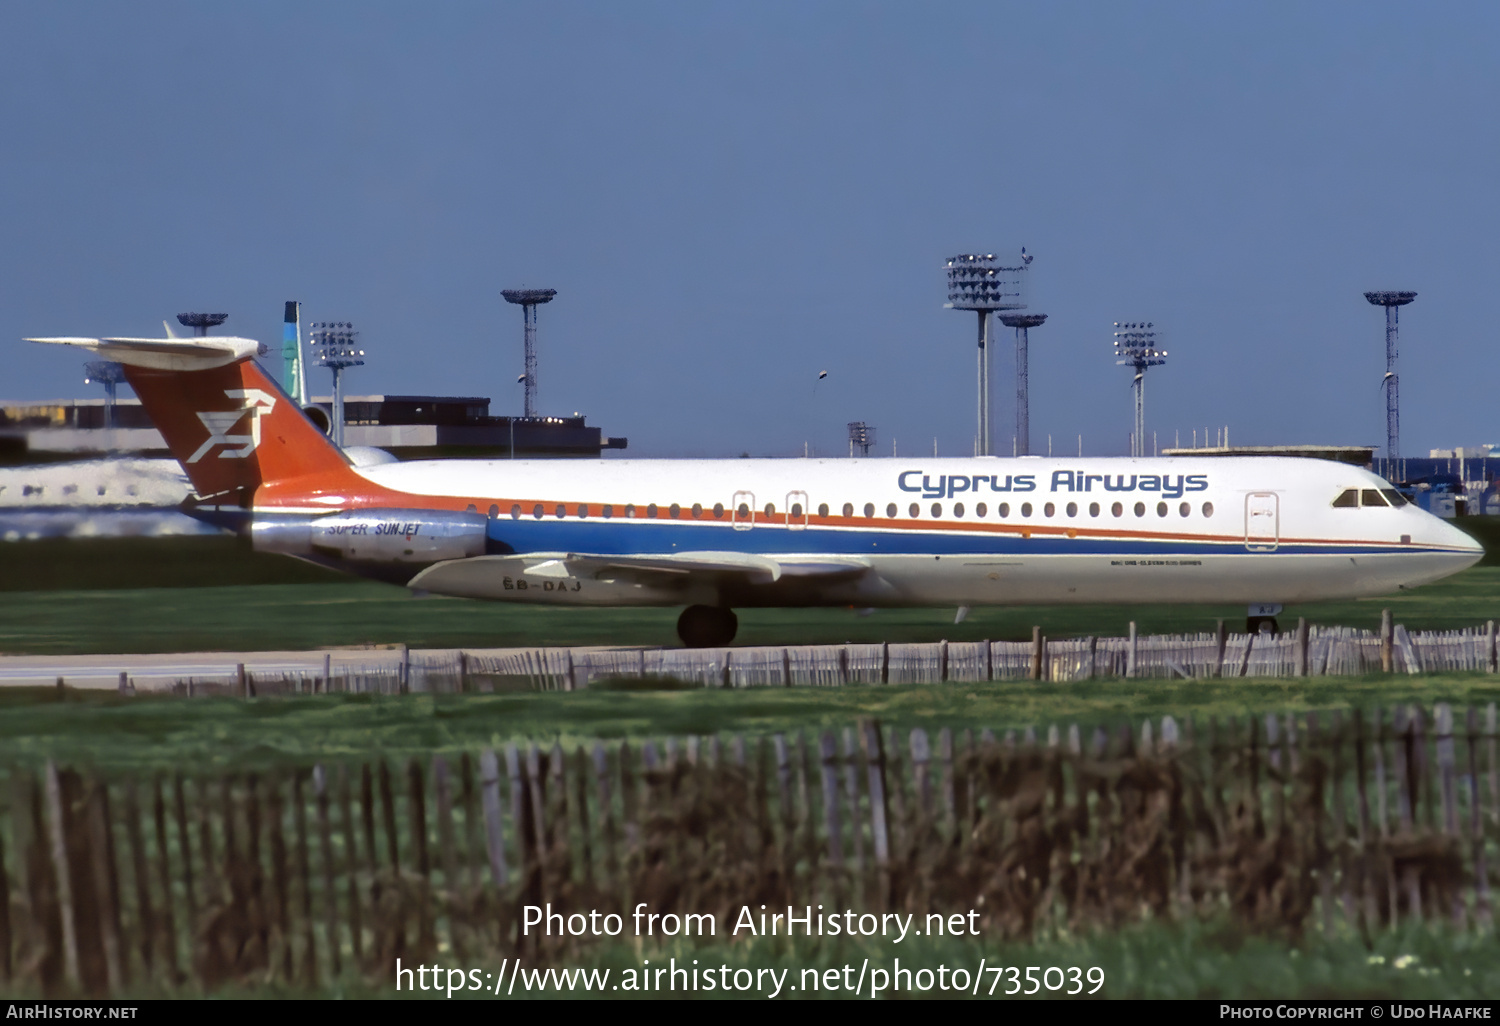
x=233, y=429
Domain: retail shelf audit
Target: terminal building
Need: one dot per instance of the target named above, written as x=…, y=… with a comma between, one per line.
x=408, y=426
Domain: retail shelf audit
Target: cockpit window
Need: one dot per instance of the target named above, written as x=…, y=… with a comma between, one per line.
x=1372, y=497
x=1395, y=497
x=1348, y=497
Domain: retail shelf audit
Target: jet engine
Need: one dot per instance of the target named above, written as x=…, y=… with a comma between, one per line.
x=374, y=535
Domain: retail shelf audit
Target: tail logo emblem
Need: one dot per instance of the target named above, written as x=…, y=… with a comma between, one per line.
x=255, y=404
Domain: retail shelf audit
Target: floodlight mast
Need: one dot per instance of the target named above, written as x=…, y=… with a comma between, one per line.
x=528, y=300
x=334, y=347
x=109, y=374
x=982, y=284
x=1393, y=302
x=201, y=322
x=1135, y=346
x=1022, y=323
x=861, y=437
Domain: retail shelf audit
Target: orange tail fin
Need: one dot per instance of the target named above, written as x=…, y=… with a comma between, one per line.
x=233, y=428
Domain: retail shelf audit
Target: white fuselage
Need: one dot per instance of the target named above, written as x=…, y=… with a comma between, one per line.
x=983, y=531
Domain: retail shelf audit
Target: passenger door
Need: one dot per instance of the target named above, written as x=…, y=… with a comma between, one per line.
x=743, y=510
x=1262, y=522
x=796, y=510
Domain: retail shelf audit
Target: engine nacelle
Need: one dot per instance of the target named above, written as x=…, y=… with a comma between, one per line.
x=375, y=535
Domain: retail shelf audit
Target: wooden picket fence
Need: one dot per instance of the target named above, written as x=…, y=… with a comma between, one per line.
x=306, y=875
x=1307, y=651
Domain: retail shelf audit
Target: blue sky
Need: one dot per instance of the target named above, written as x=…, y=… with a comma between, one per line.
x=732, y=197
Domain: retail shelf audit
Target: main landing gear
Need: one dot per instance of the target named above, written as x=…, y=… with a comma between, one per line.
x=707, y=626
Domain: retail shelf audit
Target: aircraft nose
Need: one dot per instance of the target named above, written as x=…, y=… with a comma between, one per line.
x=1460, y=539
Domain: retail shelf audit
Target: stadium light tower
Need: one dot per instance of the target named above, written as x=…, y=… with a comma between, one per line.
x=333, y=345
x=1393, y=302
x=528, y=300
x=201, y=322
x=1135, y=346
x=982, y=284
x=1022, y=323
x=109, y=374
x=861, y=437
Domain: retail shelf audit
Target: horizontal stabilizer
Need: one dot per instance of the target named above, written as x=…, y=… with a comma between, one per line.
x=180, y=354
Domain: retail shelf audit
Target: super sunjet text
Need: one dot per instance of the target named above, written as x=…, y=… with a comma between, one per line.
x=946, y=486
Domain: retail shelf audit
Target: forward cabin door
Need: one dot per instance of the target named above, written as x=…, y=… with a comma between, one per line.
x=1262, y=522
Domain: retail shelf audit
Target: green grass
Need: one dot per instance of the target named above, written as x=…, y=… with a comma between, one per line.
x=303, y=616
x=1194, y=960
x=101, y=729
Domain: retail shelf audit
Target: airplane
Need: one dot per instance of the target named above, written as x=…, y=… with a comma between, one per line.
x=715, y=535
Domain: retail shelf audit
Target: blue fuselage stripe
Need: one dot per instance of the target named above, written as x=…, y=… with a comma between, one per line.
x=643, y=537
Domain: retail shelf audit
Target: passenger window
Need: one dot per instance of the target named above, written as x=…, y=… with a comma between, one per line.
x=958, y=509
x=607, y=512
x=630, y=509
x=1185, y=509
x=980, y=510
x=823, y=510
x=583, y=510
x=674, y=511
x=719, y=510
x=1117, y=509
x=849, y=510
x=1025, y=509
x=470, y=509
x=515, y=512
x=1140, y=509
x=1208, y=509
x=494, y=510
x=651, y=511
x=743, y=511
x=937, y=510
x=1394, y=497
x=538, y=512
x=1004, y=510
x=1072, y=509
x=1161, y=509
x=869, y=511
x=561, y=511
x=1093, y=509
x=916, y=510
x=890, y=510
x=1347, y=499
x=1371, y=497
x=1049, y=509
x=796, y=509
x=697, y=510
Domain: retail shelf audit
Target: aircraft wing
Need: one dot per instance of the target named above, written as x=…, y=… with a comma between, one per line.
x=478, y=576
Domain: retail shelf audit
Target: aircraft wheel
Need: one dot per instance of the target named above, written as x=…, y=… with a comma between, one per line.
x=1257, y=624
x=707, y=626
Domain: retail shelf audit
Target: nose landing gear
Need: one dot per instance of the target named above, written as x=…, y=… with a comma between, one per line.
x=707, y=626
